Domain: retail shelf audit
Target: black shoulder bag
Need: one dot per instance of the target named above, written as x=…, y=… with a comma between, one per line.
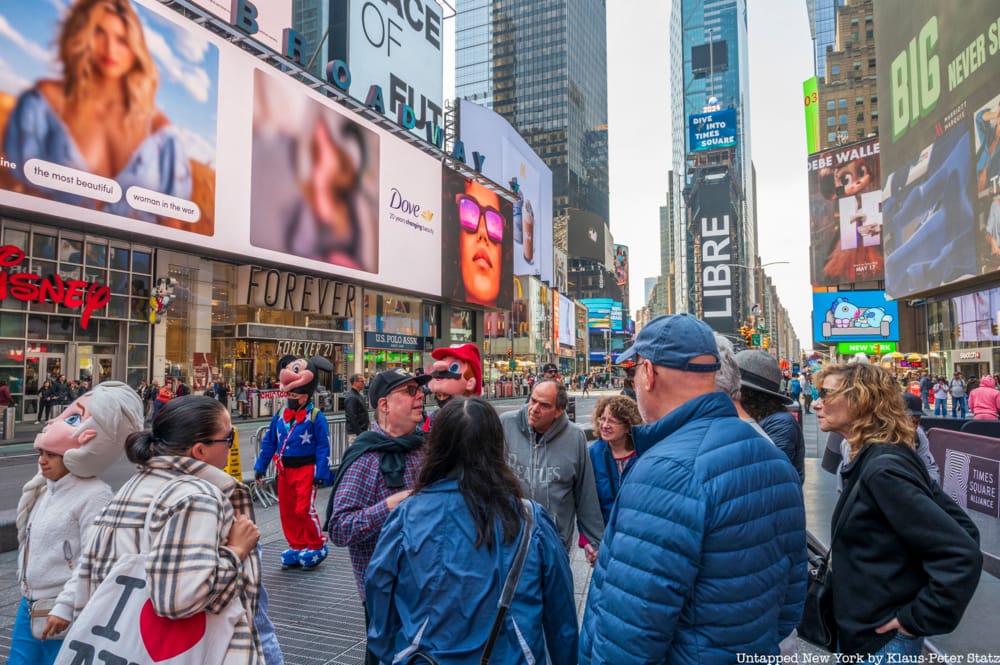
x=506, y=595
x=819, y=625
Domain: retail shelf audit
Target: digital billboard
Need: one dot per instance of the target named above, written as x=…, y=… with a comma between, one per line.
x=621, y=266
x=300, y=180
x=567, y=321
x=939, y=86
x=398, y=46
x=976, y=314
x=512, y=158
x=854, y=316
x=709, y=131
x=476, y=242
x=810, y=102
x=272, y=17
x=845, y=214
x=714, y=221
x=587, y=236
x=599, y=313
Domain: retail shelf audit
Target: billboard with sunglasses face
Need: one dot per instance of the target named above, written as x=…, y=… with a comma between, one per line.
x=477, y=243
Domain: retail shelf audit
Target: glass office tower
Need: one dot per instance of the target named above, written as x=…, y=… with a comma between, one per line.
x=542, y=65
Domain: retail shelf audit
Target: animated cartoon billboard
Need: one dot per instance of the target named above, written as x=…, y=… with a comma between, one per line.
x=854, y=316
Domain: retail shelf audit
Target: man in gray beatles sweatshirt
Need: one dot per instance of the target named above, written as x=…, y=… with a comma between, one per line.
x=549, y=454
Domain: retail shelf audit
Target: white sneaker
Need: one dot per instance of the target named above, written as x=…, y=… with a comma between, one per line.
x=38, y=422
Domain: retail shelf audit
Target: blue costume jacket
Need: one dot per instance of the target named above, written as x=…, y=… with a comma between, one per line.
x=704, y=556
x=428, y=588
x=307, y=439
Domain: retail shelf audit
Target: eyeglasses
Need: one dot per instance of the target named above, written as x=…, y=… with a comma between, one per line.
x=469, y=212
x=410, y=390
x=826, y=392
x=228, y=440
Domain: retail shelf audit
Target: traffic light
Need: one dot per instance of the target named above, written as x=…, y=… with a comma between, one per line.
x=767, y=342
x=510, y=353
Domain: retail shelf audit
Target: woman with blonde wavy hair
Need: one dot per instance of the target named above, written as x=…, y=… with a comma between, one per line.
x=906, y=558
x=101, y=116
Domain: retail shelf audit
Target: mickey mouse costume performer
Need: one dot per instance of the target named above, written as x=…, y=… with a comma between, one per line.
x=298, y=441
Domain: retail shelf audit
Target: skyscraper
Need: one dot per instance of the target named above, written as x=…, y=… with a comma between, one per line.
x=709, y=74
x=543, y=67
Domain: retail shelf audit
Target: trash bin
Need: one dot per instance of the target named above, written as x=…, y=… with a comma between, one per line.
x=571, y=409
x=9, y=416
x=263, y=405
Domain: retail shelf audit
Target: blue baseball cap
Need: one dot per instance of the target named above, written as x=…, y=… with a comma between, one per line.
x=672, y=341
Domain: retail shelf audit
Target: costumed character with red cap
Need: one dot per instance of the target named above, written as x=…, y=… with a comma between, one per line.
x=457, y=372
x=298, y=441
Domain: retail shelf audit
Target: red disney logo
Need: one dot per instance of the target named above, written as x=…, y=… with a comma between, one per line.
x=27, y=287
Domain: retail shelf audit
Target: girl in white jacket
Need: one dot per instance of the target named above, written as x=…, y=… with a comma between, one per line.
x=58, y=507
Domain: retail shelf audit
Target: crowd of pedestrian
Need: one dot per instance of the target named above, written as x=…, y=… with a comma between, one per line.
x=688, y=504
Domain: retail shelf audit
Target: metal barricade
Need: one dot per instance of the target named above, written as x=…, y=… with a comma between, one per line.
x=265, y=492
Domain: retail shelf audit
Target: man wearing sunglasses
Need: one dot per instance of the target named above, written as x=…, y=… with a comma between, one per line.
x=378, y=471
x=481, y=232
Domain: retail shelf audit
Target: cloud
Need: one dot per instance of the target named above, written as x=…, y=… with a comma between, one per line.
x=193, y=79
x=39, y=53
x=9, y=79
x=60, y=5
x=191, y=46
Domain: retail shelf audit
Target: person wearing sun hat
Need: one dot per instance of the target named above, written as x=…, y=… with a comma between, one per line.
x=705, y=485
x=760, y=397
x=57, y=508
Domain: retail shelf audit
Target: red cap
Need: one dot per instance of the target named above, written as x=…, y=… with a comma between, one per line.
x=467, y=352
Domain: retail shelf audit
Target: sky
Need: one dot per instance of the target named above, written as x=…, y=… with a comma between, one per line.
x=639, y=140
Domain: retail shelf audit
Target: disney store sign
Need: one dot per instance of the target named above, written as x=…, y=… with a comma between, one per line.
x=30, y=287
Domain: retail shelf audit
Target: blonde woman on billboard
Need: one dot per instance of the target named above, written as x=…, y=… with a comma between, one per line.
x=101, y=116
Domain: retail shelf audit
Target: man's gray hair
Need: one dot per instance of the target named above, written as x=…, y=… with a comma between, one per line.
x=727, y=379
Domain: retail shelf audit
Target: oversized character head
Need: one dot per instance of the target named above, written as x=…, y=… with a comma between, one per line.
x=298, y=377
x=90, y=432
x=457, y=372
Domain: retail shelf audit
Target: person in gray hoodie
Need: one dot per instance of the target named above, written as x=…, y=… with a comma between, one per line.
x=549, y=455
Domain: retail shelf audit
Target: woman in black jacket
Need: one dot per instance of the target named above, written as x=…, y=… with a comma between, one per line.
x=906, y=558
x=48, y=396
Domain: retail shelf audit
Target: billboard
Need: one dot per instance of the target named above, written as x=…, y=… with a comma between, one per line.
x=567, y=321
x=710, y=131
x=396, y=45
x=587, y=236
x=939, y=84
x=599, y=315
x=511, y=157
x=477, y=266
x=301, y=180
x=714, y=221
x=620, y=267
x=975, y=314
x=810, y=102
x=854, y=316
x=273, y=16
x=845, y=214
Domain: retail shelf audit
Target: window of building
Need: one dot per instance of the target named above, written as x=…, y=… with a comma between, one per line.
x=831, y=105
x=842, y=103
x=834, y=70
x=831, y=121
x=861, y=117
x=857, y=65
x=843, y=119
x=831, y=137
x=859, y=101
x=871, y=63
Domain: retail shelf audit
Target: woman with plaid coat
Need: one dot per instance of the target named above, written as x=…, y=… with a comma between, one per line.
x=198, y=513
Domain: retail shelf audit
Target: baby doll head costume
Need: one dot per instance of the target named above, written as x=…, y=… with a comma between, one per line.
x=457, y=372
x=298, y=377
x=89, y=434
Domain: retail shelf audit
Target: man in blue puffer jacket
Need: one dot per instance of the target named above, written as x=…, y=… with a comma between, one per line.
x=704, y=555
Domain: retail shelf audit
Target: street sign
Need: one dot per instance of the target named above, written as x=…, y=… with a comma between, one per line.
x=512, y=364
x=755, y=340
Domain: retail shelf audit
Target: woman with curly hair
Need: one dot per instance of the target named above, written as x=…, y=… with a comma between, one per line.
x=434, y=580
x=906, y=557
x=101, y=116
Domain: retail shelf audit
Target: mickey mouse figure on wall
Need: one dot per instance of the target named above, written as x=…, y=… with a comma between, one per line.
x=163, y=296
